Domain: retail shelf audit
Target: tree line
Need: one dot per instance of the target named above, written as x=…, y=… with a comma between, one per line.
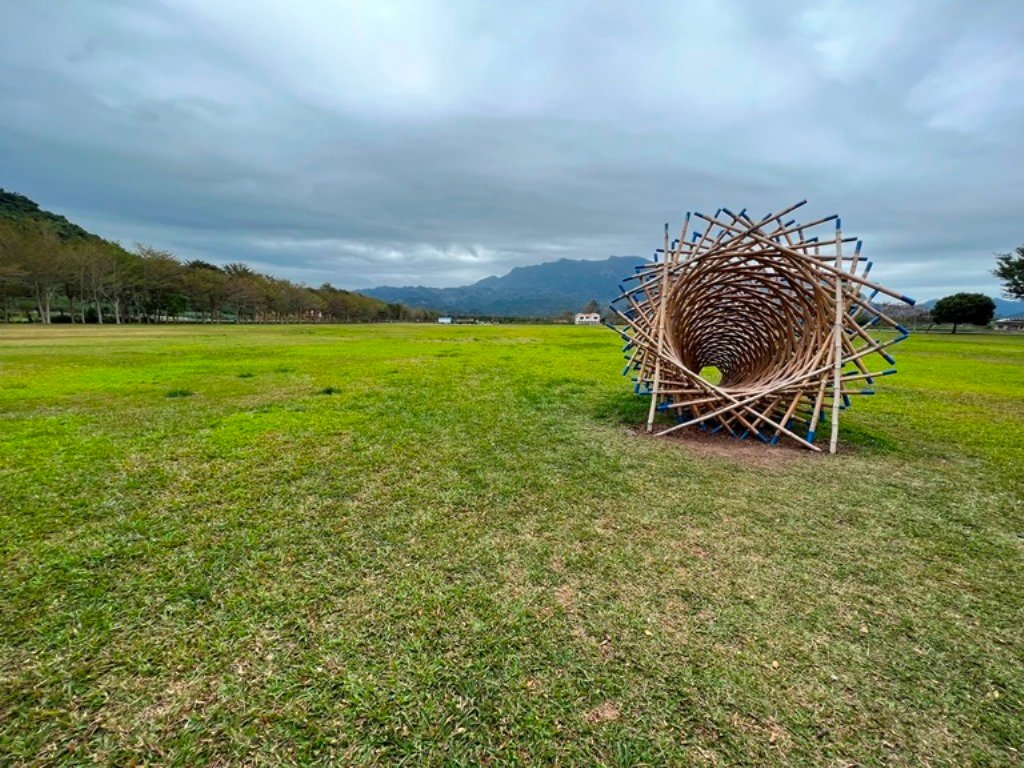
x=49, y=274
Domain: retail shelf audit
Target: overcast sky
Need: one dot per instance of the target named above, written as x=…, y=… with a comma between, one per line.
x=380, y=142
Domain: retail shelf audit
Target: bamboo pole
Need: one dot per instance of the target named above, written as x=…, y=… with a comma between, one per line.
x=661, y=335
x=837, y=341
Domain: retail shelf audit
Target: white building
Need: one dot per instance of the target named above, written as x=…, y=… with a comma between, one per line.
x=444, y=320
x=587, y=318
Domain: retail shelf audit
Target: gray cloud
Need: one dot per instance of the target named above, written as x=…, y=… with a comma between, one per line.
x=437, y=143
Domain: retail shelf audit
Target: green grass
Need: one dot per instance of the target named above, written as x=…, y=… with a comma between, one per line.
x=465, y=555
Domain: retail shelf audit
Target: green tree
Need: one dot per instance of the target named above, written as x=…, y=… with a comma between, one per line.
x=972, y=308
x=592, y=308
x=1010, y=269
x=244, y=291
x=12, y=273
x=120, y=276
x=94, y=276
x=161, y=288
x=75, y=281
x=207, y=287
x=36, y=253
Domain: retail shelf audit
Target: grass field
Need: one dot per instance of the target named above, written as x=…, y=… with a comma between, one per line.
x=446, y=545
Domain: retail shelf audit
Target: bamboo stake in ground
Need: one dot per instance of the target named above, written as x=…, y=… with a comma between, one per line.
x=660, y=334
x=837, y=341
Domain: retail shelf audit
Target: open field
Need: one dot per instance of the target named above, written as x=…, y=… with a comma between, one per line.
x=446, y=545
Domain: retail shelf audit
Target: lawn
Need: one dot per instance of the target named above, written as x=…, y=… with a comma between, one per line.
x=448, y=546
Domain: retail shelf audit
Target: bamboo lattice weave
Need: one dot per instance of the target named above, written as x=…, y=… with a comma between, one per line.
x=784, y=315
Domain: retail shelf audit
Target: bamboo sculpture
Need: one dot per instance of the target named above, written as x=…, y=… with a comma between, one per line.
x=784, y=318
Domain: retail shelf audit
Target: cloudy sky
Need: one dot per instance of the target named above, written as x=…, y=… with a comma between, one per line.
x=380, y=142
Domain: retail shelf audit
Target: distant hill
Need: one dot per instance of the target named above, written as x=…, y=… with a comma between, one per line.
x=17, y=207
x=1004, y=307
x=540, y=290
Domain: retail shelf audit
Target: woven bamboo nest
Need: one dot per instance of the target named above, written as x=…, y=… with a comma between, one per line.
x=756, y=327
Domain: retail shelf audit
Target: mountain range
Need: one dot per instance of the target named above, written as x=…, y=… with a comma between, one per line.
x=541, y=290
x=551, y=288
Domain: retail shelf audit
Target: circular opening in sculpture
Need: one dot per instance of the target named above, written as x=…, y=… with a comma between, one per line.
x=711, y=375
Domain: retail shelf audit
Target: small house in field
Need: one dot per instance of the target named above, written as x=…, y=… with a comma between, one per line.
x=444, y=320
x=587, y=318
x=1009, y=324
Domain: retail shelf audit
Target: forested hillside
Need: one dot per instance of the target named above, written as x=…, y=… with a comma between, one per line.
x=52, y=270
x=15, y=207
